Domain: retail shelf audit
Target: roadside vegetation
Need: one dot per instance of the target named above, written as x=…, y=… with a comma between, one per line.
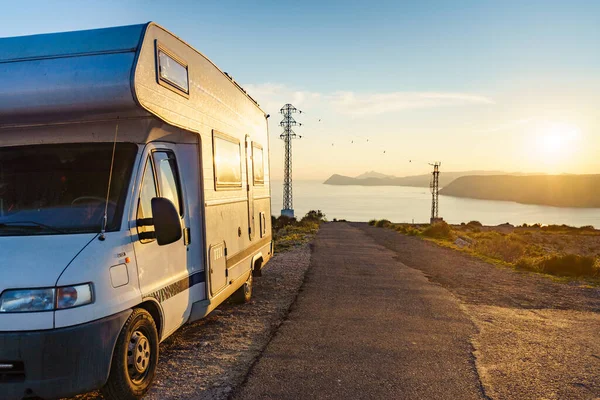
x=557, y=250
x=289, y=232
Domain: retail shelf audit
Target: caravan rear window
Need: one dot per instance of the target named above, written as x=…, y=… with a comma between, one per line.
x=227, y=161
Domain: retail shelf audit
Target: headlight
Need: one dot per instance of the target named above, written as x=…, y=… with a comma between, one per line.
x=27, y=300
x=73, y=296
x=45, y=299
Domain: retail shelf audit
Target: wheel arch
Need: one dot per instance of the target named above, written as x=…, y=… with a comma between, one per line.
x=154, y=308
x=257, y=263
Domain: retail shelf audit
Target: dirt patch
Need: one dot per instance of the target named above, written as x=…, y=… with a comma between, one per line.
x=537, y=354
x=211, y=357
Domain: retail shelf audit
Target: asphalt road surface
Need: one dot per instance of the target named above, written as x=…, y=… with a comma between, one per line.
x=367, y=326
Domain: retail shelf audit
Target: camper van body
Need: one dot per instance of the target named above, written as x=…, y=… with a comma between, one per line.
x=139, y=106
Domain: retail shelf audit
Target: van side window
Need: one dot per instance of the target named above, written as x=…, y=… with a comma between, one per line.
x=168, y=178
x=258, y=164
x=147, y=193
x=227, y=161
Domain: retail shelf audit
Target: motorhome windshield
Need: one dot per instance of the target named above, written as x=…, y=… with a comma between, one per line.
x=54, y=189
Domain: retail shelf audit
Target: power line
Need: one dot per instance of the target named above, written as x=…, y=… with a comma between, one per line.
x=288, y=134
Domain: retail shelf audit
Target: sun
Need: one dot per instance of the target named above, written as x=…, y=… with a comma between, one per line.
x=557, y=141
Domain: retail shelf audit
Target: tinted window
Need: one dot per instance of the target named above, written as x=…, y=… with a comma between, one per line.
x=228, y=162
x=63, y=187
x=168, y=179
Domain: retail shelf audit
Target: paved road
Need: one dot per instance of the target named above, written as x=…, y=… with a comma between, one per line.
x=366, y=326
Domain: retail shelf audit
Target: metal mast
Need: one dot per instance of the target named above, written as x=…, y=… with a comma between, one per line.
x=434, y=186
x=288, y=134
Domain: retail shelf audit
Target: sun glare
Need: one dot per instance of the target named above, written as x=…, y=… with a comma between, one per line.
x=556, y=143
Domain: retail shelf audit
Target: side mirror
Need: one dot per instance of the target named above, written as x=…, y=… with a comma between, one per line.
x=167, y=224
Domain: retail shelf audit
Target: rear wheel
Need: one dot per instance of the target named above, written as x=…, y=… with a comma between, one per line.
x=244, y=293
x=135, y=358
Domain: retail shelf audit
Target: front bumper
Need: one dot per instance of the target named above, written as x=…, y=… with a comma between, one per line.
x=58, y=362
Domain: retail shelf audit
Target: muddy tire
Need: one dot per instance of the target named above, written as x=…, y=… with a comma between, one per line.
x=134, y=360
x=244, y=293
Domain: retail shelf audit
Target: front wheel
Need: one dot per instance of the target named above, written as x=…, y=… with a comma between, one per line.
x=135, y=358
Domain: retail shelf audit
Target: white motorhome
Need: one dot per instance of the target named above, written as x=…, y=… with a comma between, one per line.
x=134, y=197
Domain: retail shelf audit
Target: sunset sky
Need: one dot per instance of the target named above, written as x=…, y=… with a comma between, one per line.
x=494, y=85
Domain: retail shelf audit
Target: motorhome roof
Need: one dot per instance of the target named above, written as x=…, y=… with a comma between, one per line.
x=71, y=76
x=70, y=44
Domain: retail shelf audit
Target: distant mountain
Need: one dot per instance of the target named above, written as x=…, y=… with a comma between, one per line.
x=373, y=174
x=416, y=180
x=550, y=190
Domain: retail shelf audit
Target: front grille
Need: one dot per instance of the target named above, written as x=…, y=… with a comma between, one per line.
x=12, y=371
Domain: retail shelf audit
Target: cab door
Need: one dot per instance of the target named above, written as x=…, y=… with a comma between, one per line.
x=250, y=187
x=163, y=272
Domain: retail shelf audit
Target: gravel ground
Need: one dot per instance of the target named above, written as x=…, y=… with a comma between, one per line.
x=210, y=358
x=536, y=339
x=539, y=354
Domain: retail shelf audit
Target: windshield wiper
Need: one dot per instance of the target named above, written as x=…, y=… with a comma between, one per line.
x=30, y=224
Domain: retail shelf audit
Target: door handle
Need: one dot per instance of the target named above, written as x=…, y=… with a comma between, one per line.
x=186, y=236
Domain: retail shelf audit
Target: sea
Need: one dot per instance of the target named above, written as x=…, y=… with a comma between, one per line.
x=413, y=204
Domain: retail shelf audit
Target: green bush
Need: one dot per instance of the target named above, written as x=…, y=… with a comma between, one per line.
x=372, y=222
x=439, y=230
x=383, y=223
x=569, y=265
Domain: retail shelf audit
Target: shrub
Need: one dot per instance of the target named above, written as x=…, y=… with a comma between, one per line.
x=372, y=222
x=474, y=224
x=439, y=230
x=528, y=264
x=407, y=229
x=501, y=247
x=569, y=265
x=314, y=216
x=383, y=223
x=412, y=231
x=282, y=221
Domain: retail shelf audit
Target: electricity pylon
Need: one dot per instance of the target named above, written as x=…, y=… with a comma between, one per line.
x=434, y=186
x=288, y=134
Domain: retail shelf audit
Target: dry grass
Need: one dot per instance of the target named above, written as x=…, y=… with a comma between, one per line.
x=557, y=250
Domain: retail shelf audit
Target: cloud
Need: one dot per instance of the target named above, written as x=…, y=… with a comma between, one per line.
x=509, y=125
x=380, y=103
x=272, y=96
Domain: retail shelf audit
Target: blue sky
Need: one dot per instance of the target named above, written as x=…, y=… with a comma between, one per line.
x=459, y=81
